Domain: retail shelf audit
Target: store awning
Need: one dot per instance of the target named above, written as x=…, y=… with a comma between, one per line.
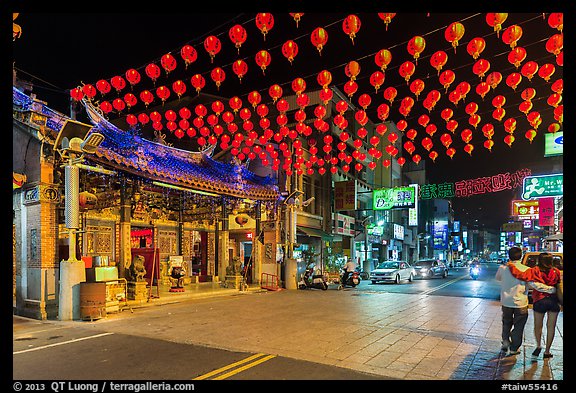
x=314, y=232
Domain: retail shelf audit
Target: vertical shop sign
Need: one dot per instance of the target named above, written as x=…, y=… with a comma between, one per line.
x=345, y=195
x=546, y=212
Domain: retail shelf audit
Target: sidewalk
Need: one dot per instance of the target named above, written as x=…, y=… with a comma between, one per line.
x=393, y=335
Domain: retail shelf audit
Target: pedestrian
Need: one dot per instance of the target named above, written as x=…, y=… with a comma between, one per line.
x=514, y=301
x=544, y=302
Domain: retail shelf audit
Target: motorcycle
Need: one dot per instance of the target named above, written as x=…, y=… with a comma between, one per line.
x=352, y=280
x=311, y=280
x=475, y=272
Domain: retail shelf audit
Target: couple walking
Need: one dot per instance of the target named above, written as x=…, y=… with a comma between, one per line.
x=515, y=279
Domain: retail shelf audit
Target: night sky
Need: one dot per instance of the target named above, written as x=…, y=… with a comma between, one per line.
x=58, y=52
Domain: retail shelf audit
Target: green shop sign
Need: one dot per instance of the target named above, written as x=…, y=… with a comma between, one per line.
x=394, y=198
x=542, y=186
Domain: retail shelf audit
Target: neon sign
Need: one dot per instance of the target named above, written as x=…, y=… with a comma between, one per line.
x=481, y=185
x=397, y=197
x=542, y=186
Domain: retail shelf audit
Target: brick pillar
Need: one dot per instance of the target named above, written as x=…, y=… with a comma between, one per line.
x=37, y=272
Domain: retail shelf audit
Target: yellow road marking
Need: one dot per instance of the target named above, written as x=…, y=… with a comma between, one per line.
x=250, y=365
x=238, y=363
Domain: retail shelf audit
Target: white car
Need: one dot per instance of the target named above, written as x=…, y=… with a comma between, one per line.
x=392, y=271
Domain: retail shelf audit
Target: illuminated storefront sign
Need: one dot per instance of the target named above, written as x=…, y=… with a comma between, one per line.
x=554, y=144
x=398, y=232
x=546, y=214
x=542, y=186
x=440, y=235
x=481, y=185
x=525, y=210
x=394, y=198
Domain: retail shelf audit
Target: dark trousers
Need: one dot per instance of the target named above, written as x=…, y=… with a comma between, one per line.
x=513, y=322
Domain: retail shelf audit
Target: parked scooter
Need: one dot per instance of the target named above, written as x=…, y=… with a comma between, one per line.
x=474, y=272
x=352, y=280
x=311, y=280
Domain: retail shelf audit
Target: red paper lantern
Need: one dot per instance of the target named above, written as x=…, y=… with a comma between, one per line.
x=499, y=113
x=498, y=101
x=510, y=125
x=558, y=86
x=423, y=120
x=481, y=67
x=152, y=71
x=525, y=107
x=454, y=33
x=529, y=69
x=275, y=92
x=554, y=99
x=528, y=94
x=319, y=38
x=352, y=70
x=530, y=135
x=411, y=134
x=416, y=158
x=560, y=59
x=466, y=135
x=546, y=71
x=290, y=50
x=416, y=46
x=179, y=88
x=474, y=120
x=130, y=100
x=240, y=68
x=218, y=75
x=235, y=103
x=298, y=86
x=351, y=26
x=212, y=45
x=296, y=16
x=263, y=59
x=364, y=101
x=89, y=91
x=198, y=82
x=556, y=21
x=168, y=62
x=163, y=93
x=482, y=89
x=386, y=17
x=409, y=147
x=431, y=129
x=469, y=148
x=326, y=95
x=133, y=77
x=237, y=35
x=147, y=97
x=511, y=35
x=324, y=78
x=452, y=125
x=517, y=56
x=471, y=108
x=495, y=20
x=390, y=94
x=264, y=22
x=350, y=88
x=382, y=58
x=554, y=127
x=494, y=79
x=77, y=94
x=188, y=54
x=103, y=86
x=119, y=104
x=401, y=125
x=454, y=97
x=377, y=79
x=476, y=46
x=446, y=78
x=132, y=120
x=427, y=143
x=406, y=70
x=282, y=105
x=438, y=60
x=417, y=86
x=488, y=144
x=555, y=44
x=170, y=115
x=447, y=114
x=513, y=80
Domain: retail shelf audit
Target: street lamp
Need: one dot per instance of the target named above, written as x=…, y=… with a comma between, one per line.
x=366, y=265
x=72, y=142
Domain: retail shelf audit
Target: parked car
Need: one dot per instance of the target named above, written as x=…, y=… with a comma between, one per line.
x=392, y=271
x=530, y=259
x=430, y=268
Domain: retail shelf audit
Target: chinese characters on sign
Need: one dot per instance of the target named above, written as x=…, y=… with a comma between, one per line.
x=390, y=198
x=546, y=212
x=345, y=195
x=481, y=185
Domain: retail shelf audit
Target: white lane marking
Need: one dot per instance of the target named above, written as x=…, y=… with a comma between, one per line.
x=443, y=285
x=61, y=343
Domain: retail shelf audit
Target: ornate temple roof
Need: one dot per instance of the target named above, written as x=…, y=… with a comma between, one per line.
x=126, y=151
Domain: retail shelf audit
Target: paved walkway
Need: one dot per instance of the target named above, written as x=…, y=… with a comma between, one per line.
x=401, y=336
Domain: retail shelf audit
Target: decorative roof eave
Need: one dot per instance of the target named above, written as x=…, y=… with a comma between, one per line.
x=192, y=170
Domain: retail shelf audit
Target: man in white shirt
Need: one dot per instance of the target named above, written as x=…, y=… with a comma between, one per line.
x=514, y=301
x=348, y=268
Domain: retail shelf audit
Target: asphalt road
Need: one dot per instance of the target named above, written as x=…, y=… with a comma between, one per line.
x=150, y=346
